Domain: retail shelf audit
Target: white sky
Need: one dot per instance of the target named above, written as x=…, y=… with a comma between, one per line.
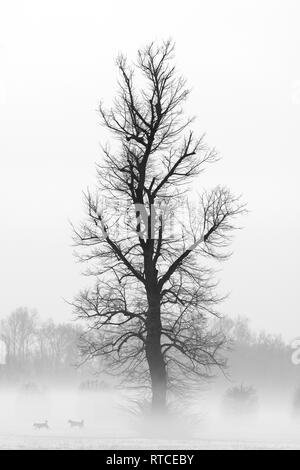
x=241, y=59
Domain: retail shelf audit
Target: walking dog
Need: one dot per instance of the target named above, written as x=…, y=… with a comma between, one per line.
x=41, y=425
x=76, y=424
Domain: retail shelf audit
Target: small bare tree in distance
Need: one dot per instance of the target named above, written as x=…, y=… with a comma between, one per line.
x=149, y=311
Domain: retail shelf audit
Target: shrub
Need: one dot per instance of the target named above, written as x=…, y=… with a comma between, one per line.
x=241, y=400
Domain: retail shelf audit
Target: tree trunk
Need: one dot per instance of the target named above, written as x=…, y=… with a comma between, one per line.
x=154, y=355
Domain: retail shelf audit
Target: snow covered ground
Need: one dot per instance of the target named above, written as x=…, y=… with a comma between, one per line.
x=67, y=442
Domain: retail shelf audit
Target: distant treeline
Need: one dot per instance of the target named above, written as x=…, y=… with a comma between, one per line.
x=39, y=349
x=36, y=348
x=259, y=359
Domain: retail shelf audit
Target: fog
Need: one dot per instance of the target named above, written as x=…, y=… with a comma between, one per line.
x=253, y=403
x=203, y=423
x=57, y=61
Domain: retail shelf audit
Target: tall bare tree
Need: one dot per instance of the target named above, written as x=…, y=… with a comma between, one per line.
x=145, y=244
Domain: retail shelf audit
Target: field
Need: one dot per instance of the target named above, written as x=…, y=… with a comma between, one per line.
x=109, y=425
x=53, y=441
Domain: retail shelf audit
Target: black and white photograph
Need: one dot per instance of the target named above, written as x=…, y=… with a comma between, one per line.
x=149, y=242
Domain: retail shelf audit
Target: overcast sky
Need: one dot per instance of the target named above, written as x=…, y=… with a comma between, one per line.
x=241, y=59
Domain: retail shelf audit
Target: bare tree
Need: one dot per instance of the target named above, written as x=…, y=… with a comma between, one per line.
x=18, y=332
x=35, y=348
x=57, y=346
x=144, y=242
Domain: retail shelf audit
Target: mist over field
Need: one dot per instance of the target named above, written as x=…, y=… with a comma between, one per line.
x=109, y=426
x=256, y=404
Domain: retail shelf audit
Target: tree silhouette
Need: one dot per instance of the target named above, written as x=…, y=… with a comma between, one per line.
x=145, y=242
